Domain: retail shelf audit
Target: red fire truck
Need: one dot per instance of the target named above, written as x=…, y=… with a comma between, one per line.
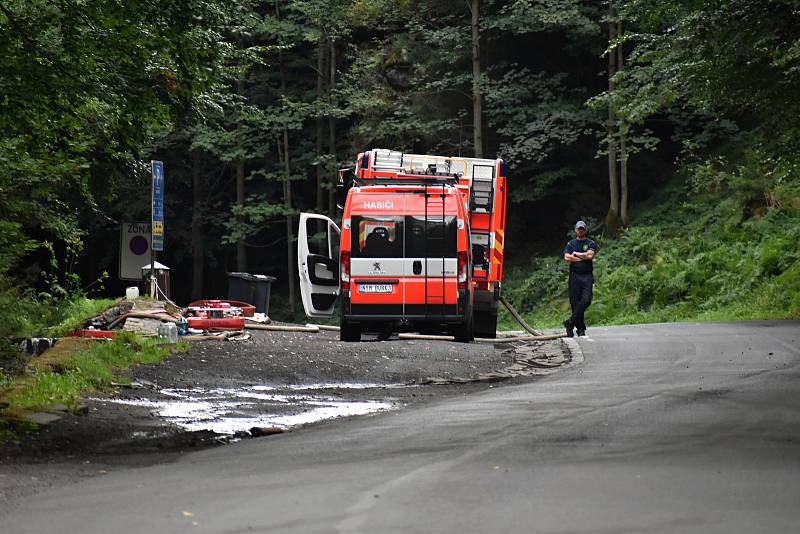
x=420, y=248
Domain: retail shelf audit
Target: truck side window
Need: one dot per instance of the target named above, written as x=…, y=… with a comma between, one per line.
x=334, y=237
x=317, y=240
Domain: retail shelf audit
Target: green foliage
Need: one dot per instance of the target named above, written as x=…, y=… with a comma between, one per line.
x=537, y=281
x=72, y=315
x=47, y=388
x=718, y=73
x=85, y=86
x=524, y=16
x=531, y=287
x=736, y=57
x=689, y=255
x=24, y=315
x=94, y=368
x=21, y=315
x=535, y=114
x=30, y=316
x=99, y=364
x=14, y=244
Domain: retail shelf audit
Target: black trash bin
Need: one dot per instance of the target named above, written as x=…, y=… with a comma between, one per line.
x=242, y=287
x=263, y=283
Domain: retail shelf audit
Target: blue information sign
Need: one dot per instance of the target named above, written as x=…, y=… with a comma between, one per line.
x=157, y=242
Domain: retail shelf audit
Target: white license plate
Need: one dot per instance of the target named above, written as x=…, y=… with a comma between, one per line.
x=374, y=288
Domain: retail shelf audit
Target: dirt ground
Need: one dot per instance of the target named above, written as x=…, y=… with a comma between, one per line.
x=221, y=391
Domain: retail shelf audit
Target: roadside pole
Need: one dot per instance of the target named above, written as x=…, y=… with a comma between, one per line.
x=156, y=221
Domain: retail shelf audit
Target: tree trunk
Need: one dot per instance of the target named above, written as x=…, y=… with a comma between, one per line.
x=332, y=126
x=612, y=217
x=287, y=201
x=321, y=200
x=477, y=97
x=623, y=178
x=623, y=150
x=241, y=251
x=287, y=191
x=198, y=212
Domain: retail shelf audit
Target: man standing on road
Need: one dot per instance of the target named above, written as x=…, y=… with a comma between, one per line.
x=579, y=253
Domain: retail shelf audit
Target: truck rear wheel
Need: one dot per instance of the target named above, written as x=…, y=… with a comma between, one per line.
x=349, y=331
x=486, y=323
x=465, y=332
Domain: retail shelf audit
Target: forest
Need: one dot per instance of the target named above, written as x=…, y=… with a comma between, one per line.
x=670, y=126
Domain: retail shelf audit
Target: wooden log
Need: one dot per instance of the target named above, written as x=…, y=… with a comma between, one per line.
x=282, y=328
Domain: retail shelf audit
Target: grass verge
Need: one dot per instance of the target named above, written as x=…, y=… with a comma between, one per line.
x=74, y=313
x=60, y=377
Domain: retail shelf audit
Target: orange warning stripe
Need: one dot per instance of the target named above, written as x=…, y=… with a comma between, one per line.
x=498, y=256
x=498, y=246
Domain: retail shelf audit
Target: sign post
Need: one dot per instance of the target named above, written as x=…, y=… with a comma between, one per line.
x=157, y=220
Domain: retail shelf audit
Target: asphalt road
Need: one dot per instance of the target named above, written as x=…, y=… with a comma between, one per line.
x=657, y=428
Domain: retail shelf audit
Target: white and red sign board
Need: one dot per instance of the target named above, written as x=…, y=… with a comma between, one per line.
x=134, y=249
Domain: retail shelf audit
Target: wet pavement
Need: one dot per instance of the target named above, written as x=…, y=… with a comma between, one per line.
x=228, y=411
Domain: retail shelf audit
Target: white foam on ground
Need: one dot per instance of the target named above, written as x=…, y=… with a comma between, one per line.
x=220, y=411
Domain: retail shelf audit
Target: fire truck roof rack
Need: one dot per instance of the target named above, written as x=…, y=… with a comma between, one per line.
x=410, y=179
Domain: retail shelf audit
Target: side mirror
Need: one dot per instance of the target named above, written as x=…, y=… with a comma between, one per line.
x=341, y=195
x=345, y=182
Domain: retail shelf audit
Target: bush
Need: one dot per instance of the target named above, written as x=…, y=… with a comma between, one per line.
x=687, y=256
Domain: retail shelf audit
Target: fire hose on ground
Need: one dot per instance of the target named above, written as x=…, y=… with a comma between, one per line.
x=314, y=328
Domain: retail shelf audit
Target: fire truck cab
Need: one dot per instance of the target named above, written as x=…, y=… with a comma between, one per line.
x=407, y=256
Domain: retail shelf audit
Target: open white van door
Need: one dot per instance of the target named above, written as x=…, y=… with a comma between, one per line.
x=318, y=264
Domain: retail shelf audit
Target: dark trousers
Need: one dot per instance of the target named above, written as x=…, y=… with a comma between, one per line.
x=580, y=296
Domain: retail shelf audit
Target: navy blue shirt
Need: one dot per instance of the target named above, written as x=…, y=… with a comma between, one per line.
x=581, y=245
